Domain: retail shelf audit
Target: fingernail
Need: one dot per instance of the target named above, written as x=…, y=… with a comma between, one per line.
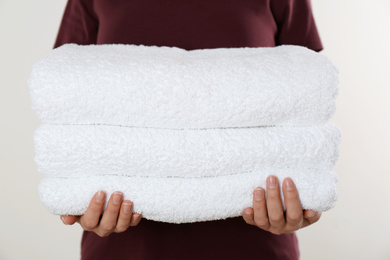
x=117, y=197
x=258, y=194
x=289, y=184
x=312, y=214
x=136, y=215
x=248, y=212
x=99, y=196
x=127, y=207
x=272, y=182
x=64, y=221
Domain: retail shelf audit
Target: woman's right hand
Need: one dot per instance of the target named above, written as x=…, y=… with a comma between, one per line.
x=117, y=217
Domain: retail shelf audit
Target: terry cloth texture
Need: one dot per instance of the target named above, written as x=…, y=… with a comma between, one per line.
x=183, y=200
x=71, y=151
x=186, y=135
x=169, y=87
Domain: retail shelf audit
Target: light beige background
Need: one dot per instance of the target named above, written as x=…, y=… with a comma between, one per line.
x=356, y=38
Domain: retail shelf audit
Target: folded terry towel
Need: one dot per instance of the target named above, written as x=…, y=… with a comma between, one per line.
x=71, y=151
x=186, y=135
x=181, y=200
x=169, y=87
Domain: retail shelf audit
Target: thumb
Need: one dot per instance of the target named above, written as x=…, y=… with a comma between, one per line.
x=69, y=220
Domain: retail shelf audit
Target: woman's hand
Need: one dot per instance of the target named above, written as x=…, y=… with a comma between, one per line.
x=117, y=217
x=268, y=213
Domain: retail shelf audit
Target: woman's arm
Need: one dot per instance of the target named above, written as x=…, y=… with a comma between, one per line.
x=80, y=25
x=296, y=25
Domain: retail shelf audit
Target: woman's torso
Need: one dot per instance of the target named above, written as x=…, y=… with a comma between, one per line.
x=190, y=24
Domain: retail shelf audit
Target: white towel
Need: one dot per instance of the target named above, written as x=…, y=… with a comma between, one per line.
x=186, y=135
x=75, y=151
x=183, y=200
x=169, y=87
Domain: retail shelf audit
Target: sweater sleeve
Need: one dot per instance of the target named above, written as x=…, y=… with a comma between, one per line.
x=295, y=22
x=79, y=24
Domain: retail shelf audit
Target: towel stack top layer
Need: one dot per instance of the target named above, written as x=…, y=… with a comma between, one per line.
x=169, y=87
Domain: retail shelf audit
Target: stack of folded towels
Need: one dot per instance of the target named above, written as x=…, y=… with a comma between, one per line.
x=186, y=135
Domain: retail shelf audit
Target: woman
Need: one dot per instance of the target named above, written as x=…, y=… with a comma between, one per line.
x=264, y=232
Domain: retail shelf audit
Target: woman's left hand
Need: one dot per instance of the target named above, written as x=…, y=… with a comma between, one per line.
x=268, y=213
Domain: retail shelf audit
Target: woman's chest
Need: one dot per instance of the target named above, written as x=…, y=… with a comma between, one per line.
x=189, y=24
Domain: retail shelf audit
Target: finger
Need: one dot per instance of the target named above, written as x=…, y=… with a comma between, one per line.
x=69, y=220
x=124, y=216
x=248, y=216
x=260, y=209
x=274, y=205
x=294, y=213
x=135, y=219
x=91, y=218
x=310, y=217
x=110, y=215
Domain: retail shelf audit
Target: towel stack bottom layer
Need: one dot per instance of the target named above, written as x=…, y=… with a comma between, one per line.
x=183, y=200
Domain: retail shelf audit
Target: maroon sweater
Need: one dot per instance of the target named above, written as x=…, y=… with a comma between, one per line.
x=190, y=24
